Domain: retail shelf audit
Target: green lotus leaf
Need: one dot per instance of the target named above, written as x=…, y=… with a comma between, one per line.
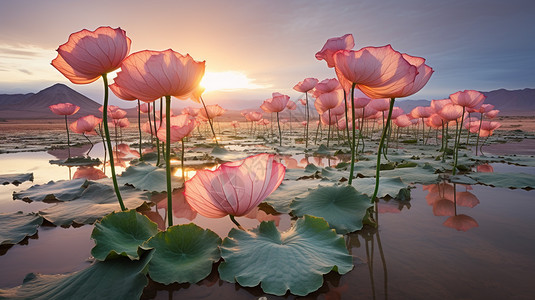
x=341, y=206
x=14, y=227
x=462, y=179
x=77, y=161
x=283, y=196
x=422, y=175
x=121, y=234
x=387, y=186
x=15, y=179
x=113, y=279
x=96, y=201
x=311, y=168
x=147, y=177
x=505, y=180
x=322, y=150
x=293, y=260
x=183, y=253
x=62, y=190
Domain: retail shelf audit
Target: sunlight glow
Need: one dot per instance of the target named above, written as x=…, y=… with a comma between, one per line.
x=228, y=81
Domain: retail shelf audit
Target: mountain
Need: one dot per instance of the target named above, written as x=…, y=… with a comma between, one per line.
x=512, y=103
x=35, y=106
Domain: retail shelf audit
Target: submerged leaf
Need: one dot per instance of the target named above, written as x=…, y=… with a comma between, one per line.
x=183, y=253
x=14, y=227
x=341, y=206
x=113, y=279
x=293, y=260
x=121, y=234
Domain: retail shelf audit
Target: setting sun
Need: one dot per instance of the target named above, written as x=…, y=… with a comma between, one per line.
x=227, y=81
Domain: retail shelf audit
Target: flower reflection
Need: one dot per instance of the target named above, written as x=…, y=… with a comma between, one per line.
x=90, y=173
x=444, y=198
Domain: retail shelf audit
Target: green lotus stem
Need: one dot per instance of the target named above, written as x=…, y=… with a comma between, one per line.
x=445, y=142
x=370, y=266
x=468, y=136
x=381, y=143
x=353, y=150
x=168, y=159
x=150, y=126
x=155, y=129
x=347, y=119
x=385, y=271
x=308, y=117
x=478, y=131
x=68, y=139
x=317, y=131
x=182, y=160
x=235, y=222
x=108, y=141
x=329, y=129
x=442, y=140
x=280, y=132
x=457, y=141
x=139, y=128
x=103, y=146
x=209, y=121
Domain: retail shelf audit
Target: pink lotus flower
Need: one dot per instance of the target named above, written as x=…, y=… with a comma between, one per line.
x=382, y=72
x=89, y=54
x=492, y=114
x=330, y=100
x=235, y=124
x=303, y=101
x=396, y=112
x=332, y=45
x=150, y=75
x=145, y=108
x=181, y=126
x=468, y=98
x=437, y=105
x=434, y=121
x=263, y=122
x=64, y=109
x=234, y=188
x=361, y=102
x=117, y=114
x=326, y=86
x=402, y=121
x=450, y=112
x=253, y=116
x=306, y=85
x=119, y=123
x=421, y=112
x=85, y=125
x=380, y=104
x=191, y=111
x=213, y=112
x=276, y=104
x=291, y=105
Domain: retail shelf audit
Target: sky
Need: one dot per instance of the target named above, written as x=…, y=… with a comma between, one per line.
x=255, y=47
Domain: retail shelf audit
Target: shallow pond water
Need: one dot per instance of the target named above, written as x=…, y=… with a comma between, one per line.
x=412, y=254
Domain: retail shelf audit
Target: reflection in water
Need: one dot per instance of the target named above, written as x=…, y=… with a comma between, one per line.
x=445, y=198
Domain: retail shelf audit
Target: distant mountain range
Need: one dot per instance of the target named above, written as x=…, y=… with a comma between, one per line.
x=35, y=105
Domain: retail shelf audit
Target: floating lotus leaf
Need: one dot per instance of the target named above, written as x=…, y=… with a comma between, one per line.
x=387, y=186
x=293, y=260
x=505, y=180
x=113, y=279
x=462, y=179
x=147, y=177
x=121, y=234
x=281, y=198
x=77, y=161
x=322, y=150
x=341, y=206
x=15, y=179
x=422, y=175
x=183, y=253
x=14, y=227
x=96, y=201
x=62, y=190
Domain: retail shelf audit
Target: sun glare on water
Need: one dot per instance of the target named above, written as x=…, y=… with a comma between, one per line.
x=227, y=81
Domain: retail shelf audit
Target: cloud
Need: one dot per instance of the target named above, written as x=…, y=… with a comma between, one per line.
x=25, y=71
